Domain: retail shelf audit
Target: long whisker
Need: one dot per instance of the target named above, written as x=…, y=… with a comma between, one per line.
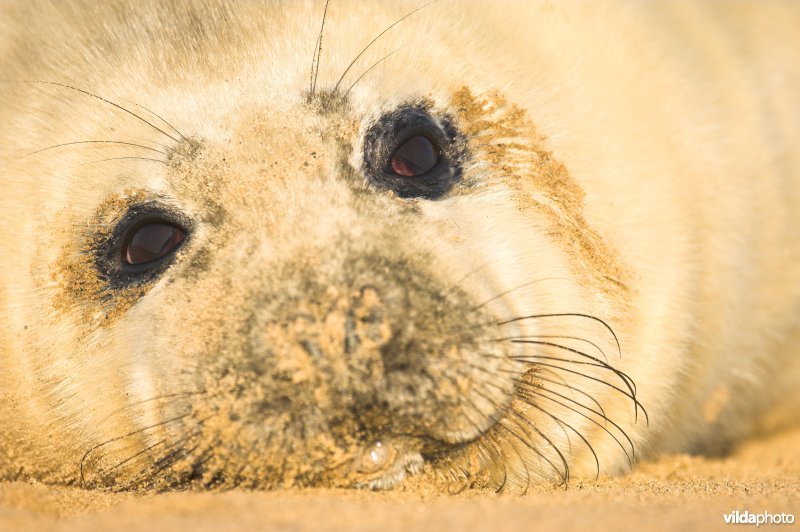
x=93, y=142
x=499, y=422
x=564, y=314
x=530, y=388
x=559, y=336
x=160, y=145
x=502, y=485
x=597, y=362
x=537, y=391
x=131, y=158
x=574, y=389
x=522, y=419
x=237, y=478
x=367, y=47
x=318, y=52
x=128, y=435
x=176, y=453
x=573, y=429
x=376, y=63
x=534, y=360
x=143, y=451
x=524, y=285
x=156, y=398
x=173, y=458
x=173, y=128
x=109, y=102
x=563, y=383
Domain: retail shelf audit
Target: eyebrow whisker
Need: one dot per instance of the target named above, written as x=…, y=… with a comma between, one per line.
x=94, y=142
x=93, y=95
x=369, y=45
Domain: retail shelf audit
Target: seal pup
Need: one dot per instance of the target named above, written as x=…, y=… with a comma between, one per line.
x=468, y=247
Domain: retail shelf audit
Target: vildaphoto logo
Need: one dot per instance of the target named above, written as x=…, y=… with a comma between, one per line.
x=737, y=517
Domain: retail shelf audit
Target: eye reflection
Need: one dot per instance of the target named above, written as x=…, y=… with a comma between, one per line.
x=152, y=242
x=414, y=157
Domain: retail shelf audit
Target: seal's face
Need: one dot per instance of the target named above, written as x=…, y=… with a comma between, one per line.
x=298, y=288
x=313, y=295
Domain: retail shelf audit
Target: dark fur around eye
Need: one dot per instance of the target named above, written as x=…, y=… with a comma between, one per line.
x=160, y=232
x=413, y=153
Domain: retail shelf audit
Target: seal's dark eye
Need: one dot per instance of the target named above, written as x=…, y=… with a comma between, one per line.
x=143, y=244
x=414, y=157
x=151, y=242
x=414, y=153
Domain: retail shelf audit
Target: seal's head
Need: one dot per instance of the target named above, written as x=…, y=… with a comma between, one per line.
x=296, y=281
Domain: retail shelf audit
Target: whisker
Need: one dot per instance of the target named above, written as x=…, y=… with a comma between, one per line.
x=130, y=158
x=620, y=390
x=467, y=483
x=573, y=429
x=519, y=455
x=203, y=459
x=562, y=424
x=143, y=451
x=521, y=418
x=93, y=142
x=505, y=479
x=109, y=102
x=143, y=401
x=476, y=426
x=619, y=373
x=564, y=384
x=565, y=314
x=173, y=128
x=376, y=63
x=318, y=52
x=558, y=336
x=630, y=457
x=496, y=422
x=128, y=435
x=598, y=363
x=367, y=47
x=175, y=454
x=524, y=285
x=237, y=478
x=561, y=473
x=498, y=453
x=160, y=145
x=172, y=459
x=535, y=389
x=520, y=382
x=531, y=388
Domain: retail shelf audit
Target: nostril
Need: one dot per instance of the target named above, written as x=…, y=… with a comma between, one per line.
x=397, y=356
x=399, y=366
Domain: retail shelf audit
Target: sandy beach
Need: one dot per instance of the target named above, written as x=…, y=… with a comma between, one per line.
x=676, y=492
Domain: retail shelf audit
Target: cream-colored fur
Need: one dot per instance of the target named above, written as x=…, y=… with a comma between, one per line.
x=653, y=182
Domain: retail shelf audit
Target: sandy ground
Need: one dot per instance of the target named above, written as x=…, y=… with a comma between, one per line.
x=674, y=492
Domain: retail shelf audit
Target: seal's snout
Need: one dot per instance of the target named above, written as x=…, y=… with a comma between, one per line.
x=383, y=344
